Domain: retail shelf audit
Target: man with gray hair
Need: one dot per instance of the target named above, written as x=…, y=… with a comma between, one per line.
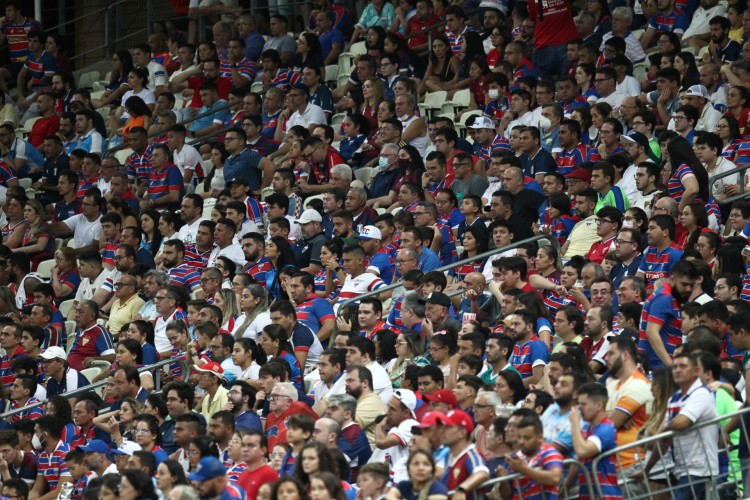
x=167, y=308
x=383, y=184
x=153, y=281
x=341, y=176
x=622, y=17
x=254, y=41
x=413, y=311
x=350, y=439
x=183, y=492
x=356, y=203
x=283, y=403
x=485, y=412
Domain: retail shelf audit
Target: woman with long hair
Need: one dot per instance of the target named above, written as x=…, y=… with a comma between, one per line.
x=122, y=63
x=448, y=211
x=226, y=300
x=148, y=436
x=309, y=53
x=136, y=485
x=395, y=44
x=356, y=130
x=684, y=62
x=409, y=350
x=668, y=43
x=695, y=220
x=275, y=343
x=689, y=180
x=531, y=302
x=120, y=424
x=479, y=74
x=375, y=40
x=279, y=253
x=422, y=483
x=59, y=407
x=373, y=92
x=662, y=389
x=412, y=165
x=254, y=305
x=214, y=181
x=728, y=130
x=707, y=245
x=314, y=457
x=36, y=240
x=120, y=207
x=509, y=388
x=600, y=112
x=151, y=240
x=138, y=83
x=584, y=76
x=143, y=332
x=327, y=283
x=139, y=115
x=442, y=348
x=442, y=70
x=385, y=346
x=201, y=447
x=168, y=475
x=325, y=486
x=249, y=356
x=636, y=218
x=65, y=277
x=169, y=225
x=475, y=243
x=738, y=106
x=583, y=117
x=582, y=364
x=600, y=10
x=288, y=488
x=227, y=268
x=234, y=452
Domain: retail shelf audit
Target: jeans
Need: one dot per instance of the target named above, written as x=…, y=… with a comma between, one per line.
x=550, y=62
x=691, y=488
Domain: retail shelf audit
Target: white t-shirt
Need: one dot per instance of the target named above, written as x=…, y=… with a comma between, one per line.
x=84, y=231
x=157, y=75
x=381, y=381
x=627, y=183
x=146, y=94
x=161, y=342
x=253, y=330
x=527, y=120
x=87, y=288
x=629, y=86
x=614, y=99
x=395, y=453
x=313, y=114
x=695, y=453
x=187, y=233
x=233, y=251
x=187, y=158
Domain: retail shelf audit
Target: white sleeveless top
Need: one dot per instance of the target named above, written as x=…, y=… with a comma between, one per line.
x=420, y=142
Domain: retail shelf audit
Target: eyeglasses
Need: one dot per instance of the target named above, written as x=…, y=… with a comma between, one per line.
x=120, y=284
x=721, y=287
x=276, y=397
x=638, y=123
x=599, y=221
x=160, y=298
x=679, y=117
x=89, y=204
x=227, y=139
x=721, y=127
x=622, y=242
x=140, y=431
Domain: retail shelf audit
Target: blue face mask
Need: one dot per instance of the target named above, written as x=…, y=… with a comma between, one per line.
x=383, y=162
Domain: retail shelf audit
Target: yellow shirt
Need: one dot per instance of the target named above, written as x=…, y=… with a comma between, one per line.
x=210, y=406
x=582, y=237
x=122, y=313
x=369, y=408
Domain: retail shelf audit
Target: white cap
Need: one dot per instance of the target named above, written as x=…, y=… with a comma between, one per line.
x=54, y=352
x=483, y=122
x=370, y=233
x=310, y=215
x=697, y=90
x=127, y=448
x=407, y=398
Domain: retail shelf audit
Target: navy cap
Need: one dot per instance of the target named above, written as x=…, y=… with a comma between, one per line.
x=98, y=446
x=208, y=468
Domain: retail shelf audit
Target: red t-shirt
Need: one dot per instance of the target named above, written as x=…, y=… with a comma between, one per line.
x=223, y=84
x=276, y=426
x=600, y=249
x=251, y=481
x=556, y=27
x=42, y=128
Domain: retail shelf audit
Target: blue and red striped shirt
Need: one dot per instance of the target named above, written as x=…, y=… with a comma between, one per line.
x=656, y=265
x=17, y=36
x=195, y=257
x=161, y=182
x=675, y=22
x=525, y=356
x=606, y=473
x=567, y=161
x=7, y=377
x=139, y=165
x=676, y=184
x=547, y=458
x=52, y=466
x=184, y=275
x=663, y=309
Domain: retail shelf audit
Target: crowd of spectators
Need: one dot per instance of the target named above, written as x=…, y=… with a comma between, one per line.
x=284, y=244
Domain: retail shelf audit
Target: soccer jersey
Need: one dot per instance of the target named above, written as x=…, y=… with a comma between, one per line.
x=461, y=467
x=184, y=275
x=632, y=397
x=664, y=310
x=567, y=161
x=92, y=342
x=603, y=436
x=314, y=311
x=139, y=165
x=162, y=182
x=526, y=356
x=52, y=466
x=675, y=22
x=657, y=265
x=547, y=458
x=17, y=37
x=357, y=285
x=258, y=270
x=196, y=258
x=676, y=184
x=7, y=377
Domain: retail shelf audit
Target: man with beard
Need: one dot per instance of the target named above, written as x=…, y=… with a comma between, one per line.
x=555, y=418
x=254, y=248
x=597, y=327
x=180, y=273
x=629, y=398
x=211, y=480
x=660, y=329
x=241, y=402
x=646, y=176
x=191, y=213
x=661, y=256
x=530, y=354
x=721, y=49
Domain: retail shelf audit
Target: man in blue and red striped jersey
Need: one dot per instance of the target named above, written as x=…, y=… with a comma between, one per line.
x=180, y=272
x=539, y=463
x=661, y=320
x=112, y=232
x=530, y=354
x=467, y=468
x=574, y=152
x=38, y=64
x=237, y=68
x=14, y=31
x=138, y=163
x=669, y=19
x=22, y=394
x=254, y=248
x=662, y=254
x=165, y=182
x=197, y=254
x=10, y=339
x=597, y=436
x=312, y=311
x=52, y=470
x=273, y=75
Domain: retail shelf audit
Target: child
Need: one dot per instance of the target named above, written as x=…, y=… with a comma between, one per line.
x=177, y=335
x=469, y=364
x=79, y=471
x=299, y=430
x=235, y=455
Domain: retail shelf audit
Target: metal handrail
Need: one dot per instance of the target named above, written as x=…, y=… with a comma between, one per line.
x=468, y=260
x=514, y=476
x=641, y=443
x=740, y=170
x=183, y=365
x=88, y=14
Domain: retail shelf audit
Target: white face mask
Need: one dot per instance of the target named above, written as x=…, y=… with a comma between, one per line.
x=36, y=443
x=494, y=94
x=544, y=123
x=627, y=224
x=383, y=162
x=403, y=118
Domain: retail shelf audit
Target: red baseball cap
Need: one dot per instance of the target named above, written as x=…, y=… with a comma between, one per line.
x=442, y=396
x=431, y=419
x=459, y=418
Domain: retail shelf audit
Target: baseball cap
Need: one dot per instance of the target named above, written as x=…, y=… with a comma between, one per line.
x=310, y=215
x=238, y=180
x=442, y=396
x=97, y=446
x=370, y=233
x=482, y=122
x=431, y=419
x=54, y=352
x=208, y=468
x=459, y=418
x=301, y=87
x=211, y=367
x=641, y=140
x=437, y=298
x=581, y=174
x=697, y=90
x=407, y=398
x=127, y=448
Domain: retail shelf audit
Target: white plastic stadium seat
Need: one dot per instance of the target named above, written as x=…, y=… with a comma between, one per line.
x=44, y=269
